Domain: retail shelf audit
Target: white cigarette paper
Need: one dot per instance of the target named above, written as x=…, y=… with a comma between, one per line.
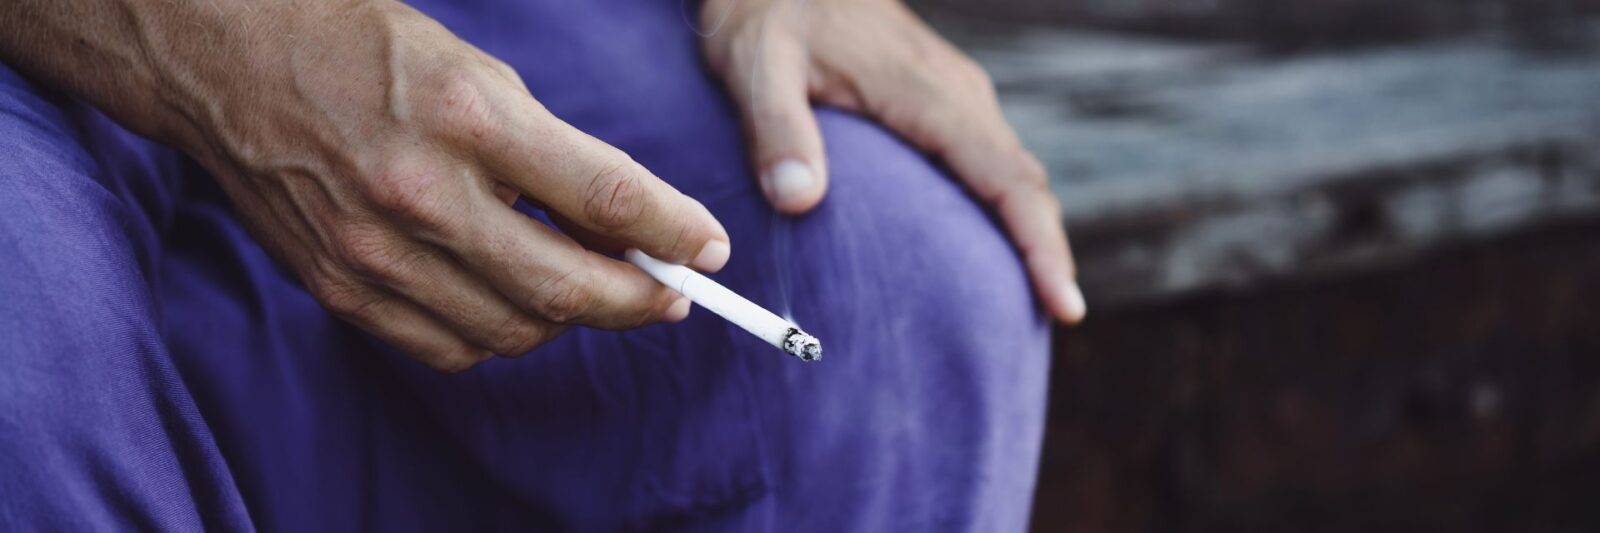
x=780, y=333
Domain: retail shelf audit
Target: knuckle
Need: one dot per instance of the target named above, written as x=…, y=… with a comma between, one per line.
x=562, y=299
x=616, y=196
x=516, y=336
x=501, y=68
x=1042, y=198
x=923, y=82
x=684, y=242
x=1052, y=205
x=343, y=298
x=1033, y=172
x=460, y=103
x=1031, y=193
x=974, y=75
x=412, y=192
x=368, y=251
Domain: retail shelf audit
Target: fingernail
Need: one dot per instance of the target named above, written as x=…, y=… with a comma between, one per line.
x=788, y=181
x=1072, y=297
x=711, y=257
x=678, y=311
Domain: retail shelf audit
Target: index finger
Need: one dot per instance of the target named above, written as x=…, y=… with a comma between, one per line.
x=600, y=188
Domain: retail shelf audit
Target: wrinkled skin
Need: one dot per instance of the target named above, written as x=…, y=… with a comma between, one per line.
x=376, y=155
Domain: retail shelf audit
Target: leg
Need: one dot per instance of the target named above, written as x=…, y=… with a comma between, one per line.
x=927, y=411
x=97, y=429
x=935, y=416
x=161, y=373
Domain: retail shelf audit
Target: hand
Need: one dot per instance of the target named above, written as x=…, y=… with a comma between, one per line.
x=878, y=58
x=377, y=156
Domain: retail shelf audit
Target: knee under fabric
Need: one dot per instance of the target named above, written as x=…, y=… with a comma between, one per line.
x=164, y=373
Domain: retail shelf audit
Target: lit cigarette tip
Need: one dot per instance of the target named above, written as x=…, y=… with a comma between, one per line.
x=800, y=344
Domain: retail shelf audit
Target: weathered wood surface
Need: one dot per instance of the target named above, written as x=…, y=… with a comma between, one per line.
x=1187, y=166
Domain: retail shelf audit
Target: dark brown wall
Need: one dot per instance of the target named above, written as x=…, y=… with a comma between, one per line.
x=1462, y=393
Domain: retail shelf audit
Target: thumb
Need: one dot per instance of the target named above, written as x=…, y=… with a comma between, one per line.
x=786, y=144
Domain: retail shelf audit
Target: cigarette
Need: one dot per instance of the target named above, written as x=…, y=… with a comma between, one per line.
x=780, y=333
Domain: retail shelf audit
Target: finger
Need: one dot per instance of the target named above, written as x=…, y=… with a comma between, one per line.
x=435, y=282
x=402, y=325
x=962, y=123
x=588, y=181
x=770, y=87
x=1013, y=182
x=587, y=239
x=544, y=273
x=1032, y=216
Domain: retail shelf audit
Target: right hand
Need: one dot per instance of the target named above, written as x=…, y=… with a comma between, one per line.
x=377, y=155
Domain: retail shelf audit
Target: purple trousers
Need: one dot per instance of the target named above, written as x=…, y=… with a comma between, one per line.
x=159, y=371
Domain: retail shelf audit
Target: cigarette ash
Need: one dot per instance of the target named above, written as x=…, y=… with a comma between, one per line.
x=802, y=345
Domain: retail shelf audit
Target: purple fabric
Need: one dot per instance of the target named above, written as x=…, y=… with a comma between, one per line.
x=158, y=371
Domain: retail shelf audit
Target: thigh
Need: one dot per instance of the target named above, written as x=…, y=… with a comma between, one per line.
x=97, y=430
x=927, y=409
x=925, y=412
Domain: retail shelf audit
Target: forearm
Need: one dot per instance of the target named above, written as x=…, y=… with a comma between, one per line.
x=171, y=69
x=104, y=51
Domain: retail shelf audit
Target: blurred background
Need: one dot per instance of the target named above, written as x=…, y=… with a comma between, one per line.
x=1343, y=258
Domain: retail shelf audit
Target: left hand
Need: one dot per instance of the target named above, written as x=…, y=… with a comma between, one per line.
x=876, y=57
